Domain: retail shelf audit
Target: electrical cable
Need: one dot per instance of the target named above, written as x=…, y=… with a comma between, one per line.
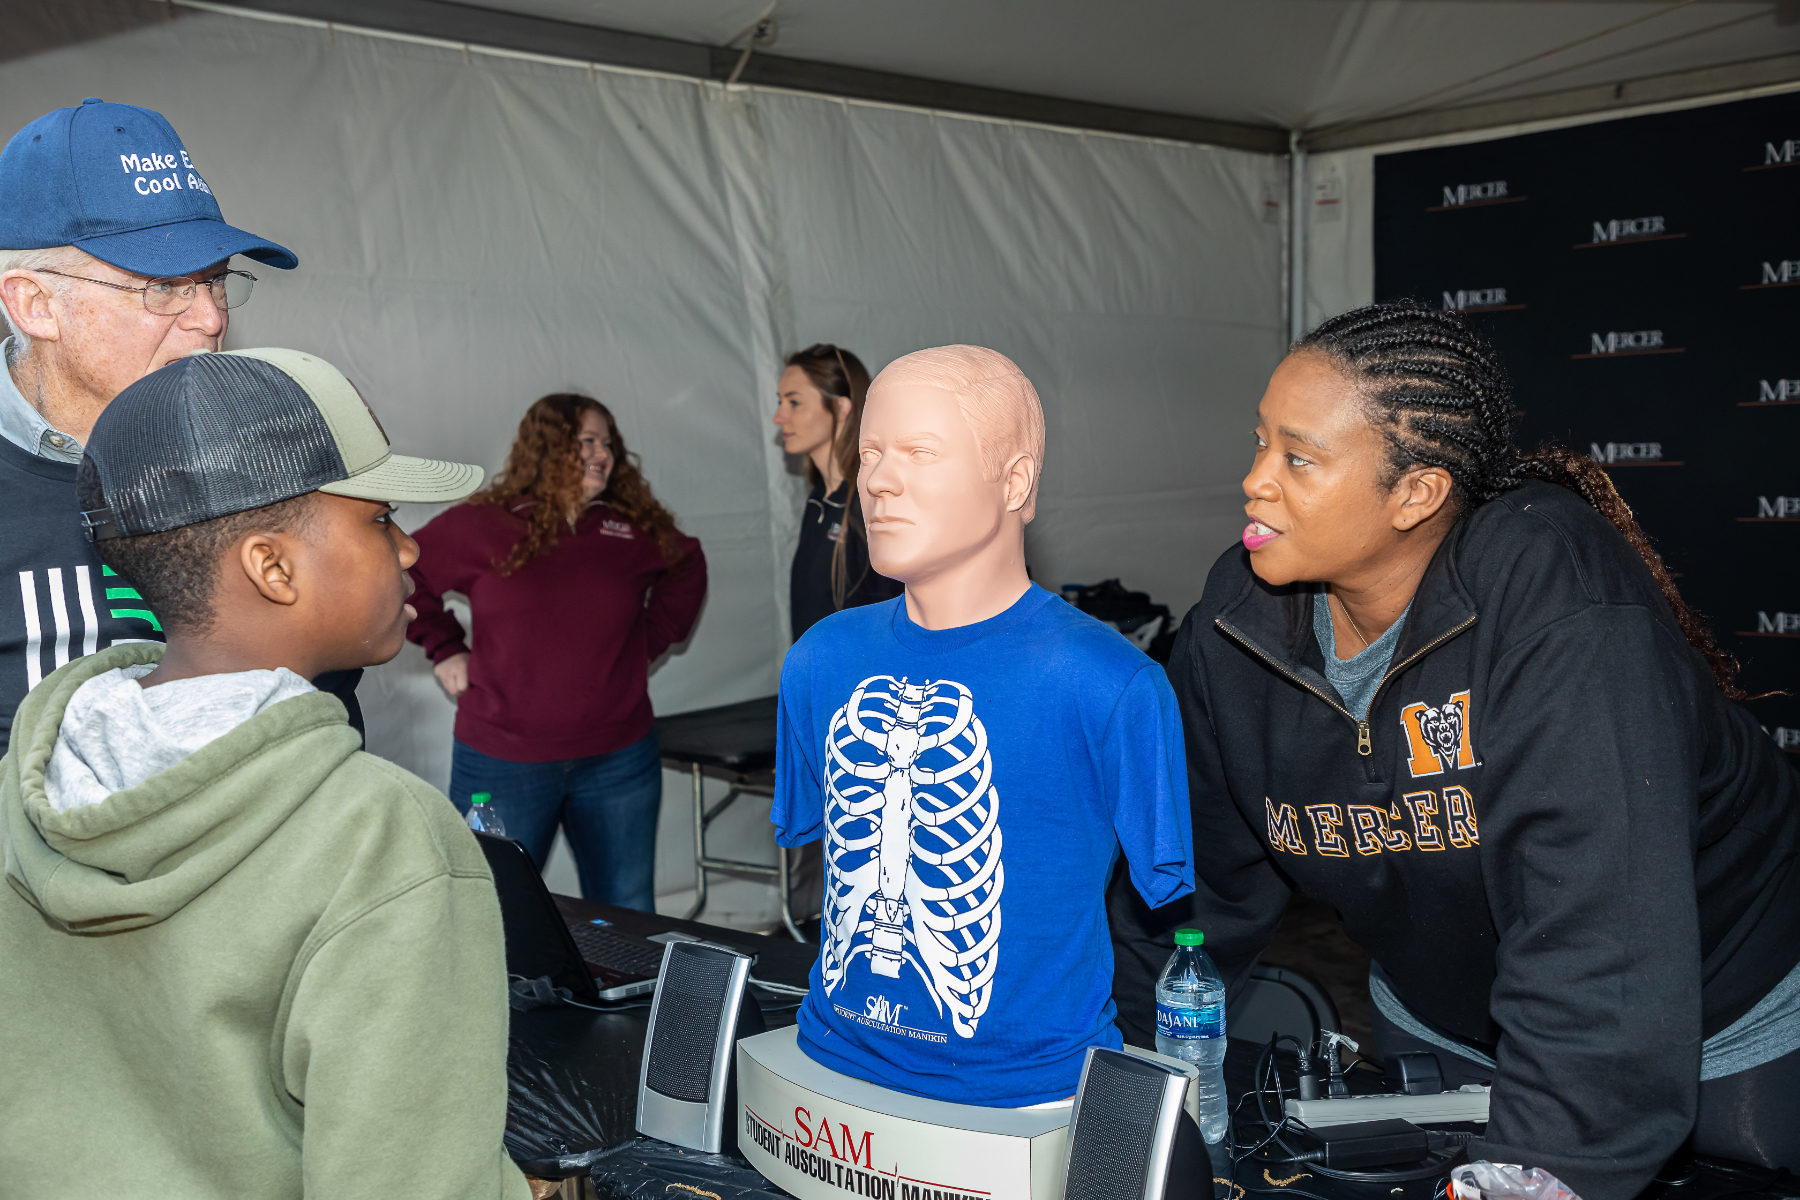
x=1437, y=1161
x=556, y=995
x=1287, y=1191
x=780, y=989
x=621, y=1006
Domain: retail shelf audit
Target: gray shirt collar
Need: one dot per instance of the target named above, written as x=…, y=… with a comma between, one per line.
x=24, y=426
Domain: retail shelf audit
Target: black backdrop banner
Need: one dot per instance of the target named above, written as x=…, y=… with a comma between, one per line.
x=1641, y=279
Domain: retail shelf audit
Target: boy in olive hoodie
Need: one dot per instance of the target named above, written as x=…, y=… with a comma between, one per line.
x=239, y=956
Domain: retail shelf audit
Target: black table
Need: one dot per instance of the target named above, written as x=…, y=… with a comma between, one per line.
x=736, y=743
x=597, y=1055
x=733, y=737
x=607, y=1049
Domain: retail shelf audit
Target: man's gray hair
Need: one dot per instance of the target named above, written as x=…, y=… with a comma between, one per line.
x=55, y=258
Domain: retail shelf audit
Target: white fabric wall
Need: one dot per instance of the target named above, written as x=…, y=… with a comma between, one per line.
x=1134, y=283
x=475, y=230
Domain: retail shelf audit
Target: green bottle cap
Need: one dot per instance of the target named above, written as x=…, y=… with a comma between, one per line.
x=1189, y=937
x=481, y=797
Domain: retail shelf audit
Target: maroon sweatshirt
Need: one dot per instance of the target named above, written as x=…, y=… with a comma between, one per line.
x=559, y=665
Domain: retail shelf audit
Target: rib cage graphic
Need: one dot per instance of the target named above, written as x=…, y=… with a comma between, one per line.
x=912, y=840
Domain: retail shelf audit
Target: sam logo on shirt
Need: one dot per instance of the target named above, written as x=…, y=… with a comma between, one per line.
x=882, y=1010
x=1438, y=739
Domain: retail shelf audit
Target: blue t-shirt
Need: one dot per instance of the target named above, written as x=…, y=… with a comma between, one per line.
x=974, y=786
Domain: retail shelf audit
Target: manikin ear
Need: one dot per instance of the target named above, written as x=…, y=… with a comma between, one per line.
x=27, y=299
x=1419, y=495
x=1019, y=475
x=267, y=561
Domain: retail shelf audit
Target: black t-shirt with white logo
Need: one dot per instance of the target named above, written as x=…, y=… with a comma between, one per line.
x=57, y=599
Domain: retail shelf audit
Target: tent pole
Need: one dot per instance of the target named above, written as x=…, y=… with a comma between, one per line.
x=1297, y=212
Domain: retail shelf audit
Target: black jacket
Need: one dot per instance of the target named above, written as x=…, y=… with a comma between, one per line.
x=1561, y=841
x=809, y=585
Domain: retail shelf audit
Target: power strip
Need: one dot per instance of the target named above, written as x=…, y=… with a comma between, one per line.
x=1468, y=1103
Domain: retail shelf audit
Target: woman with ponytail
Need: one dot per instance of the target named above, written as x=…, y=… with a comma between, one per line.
x=818, y=410
x=1448, y=687
x=577, y=580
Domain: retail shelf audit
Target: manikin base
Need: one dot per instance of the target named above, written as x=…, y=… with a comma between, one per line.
x=817, y=1134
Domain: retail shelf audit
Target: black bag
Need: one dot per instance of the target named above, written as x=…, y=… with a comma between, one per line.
x=1146, y=625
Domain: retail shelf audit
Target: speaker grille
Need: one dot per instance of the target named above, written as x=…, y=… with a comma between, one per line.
x=1114, y=1130
x=689, y=1007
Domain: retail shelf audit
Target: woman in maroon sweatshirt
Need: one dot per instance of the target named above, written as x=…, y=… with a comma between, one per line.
x=577, y=580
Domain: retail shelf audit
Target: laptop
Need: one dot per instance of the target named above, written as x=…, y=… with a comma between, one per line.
x=593, y=959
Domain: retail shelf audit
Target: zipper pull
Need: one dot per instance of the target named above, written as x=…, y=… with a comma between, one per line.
x=1362, y=739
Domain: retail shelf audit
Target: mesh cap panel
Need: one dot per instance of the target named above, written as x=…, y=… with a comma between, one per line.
x=205, y=437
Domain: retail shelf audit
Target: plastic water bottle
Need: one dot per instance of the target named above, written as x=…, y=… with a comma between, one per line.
x=1190, y=1025
x=484, y=815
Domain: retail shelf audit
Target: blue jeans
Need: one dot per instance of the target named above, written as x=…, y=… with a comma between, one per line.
x=606, y=803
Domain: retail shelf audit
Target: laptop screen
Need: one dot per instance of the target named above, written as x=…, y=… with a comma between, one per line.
x=537, y=941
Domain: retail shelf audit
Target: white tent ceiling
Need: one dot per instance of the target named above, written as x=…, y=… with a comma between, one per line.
x=1295, y=64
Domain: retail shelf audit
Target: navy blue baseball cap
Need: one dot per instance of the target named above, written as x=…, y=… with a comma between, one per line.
x=115, y=180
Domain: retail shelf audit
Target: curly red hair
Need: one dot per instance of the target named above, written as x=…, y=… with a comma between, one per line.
x=545, y=465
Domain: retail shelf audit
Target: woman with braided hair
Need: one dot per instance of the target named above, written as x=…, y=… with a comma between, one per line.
x=1449, y=688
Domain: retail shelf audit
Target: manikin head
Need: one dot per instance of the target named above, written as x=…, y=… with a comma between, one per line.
x=952, y=441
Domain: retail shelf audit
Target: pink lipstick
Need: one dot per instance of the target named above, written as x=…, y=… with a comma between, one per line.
x=1257, y=534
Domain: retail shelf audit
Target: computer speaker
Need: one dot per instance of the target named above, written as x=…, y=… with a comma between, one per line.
x=1129, y=1138
x=687, y=1087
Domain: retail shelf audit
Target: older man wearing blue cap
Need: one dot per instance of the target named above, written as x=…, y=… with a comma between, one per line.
x=114, y=261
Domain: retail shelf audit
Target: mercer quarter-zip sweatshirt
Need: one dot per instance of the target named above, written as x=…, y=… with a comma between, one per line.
x=1558, y=839
x=273, y=968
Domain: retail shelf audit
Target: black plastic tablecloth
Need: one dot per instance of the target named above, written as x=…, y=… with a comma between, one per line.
x=646, y=1169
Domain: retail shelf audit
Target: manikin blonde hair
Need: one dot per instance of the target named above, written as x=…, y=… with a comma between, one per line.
x=996, y=399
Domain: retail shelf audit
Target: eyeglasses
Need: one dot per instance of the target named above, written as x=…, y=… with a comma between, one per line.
x=172, y=297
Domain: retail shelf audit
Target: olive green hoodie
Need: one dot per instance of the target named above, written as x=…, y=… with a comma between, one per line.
x=273, y=970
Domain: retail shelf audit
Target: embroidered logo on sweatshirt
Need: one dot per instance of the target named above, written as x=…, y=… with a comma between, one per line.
x=1438, y=739
x=1371, y=829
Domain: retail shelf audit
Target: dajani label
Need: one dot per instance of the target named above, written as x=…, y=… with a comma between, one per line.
x=1191, y=1024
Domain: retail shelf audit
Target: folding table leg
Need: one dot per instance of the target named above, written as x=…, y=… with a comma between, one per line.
x=699, y=842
